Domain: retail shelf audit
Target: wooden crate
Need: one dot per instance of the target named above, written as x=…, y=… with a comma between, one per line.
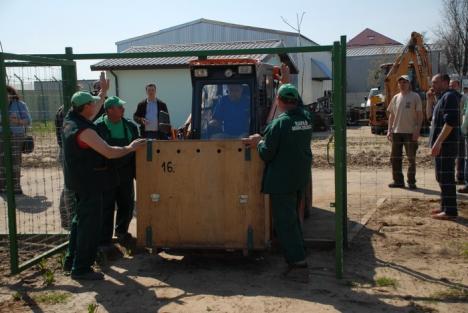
x=201, y=194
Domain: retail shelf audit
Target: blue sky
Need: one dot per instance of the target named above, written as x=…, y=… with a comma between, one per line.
x=91, y=26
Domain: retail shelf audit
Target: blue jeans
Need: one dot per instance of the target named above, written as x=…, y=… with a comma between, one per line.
x=445, y=176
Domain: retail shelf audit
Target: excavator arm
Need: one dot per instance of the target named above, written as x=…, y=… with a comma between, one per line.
x=414, y=55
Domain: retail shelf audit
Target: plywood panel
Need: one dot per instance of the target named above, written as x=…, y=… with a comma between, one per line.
x=209, y=195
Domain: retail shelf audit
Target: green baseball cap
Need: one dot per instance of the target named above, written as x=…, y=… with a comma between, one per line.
x=288, y=92
x=113, y=101
x=82, y=97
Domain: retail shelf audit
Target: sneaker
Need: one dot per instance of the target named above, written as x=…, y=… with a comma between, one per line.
x=460, y=182
x=123, y=237
x=436, y=211
x=444, y=216
x=463, y=189
x=88, y=276
x=396, y=185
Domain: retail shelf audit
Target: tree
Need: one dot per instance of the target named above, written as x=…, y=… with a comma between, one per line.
x=452, y=34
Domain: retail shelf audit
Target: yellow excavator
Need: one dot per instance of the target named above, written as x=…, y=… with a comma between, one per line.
x=413, y=61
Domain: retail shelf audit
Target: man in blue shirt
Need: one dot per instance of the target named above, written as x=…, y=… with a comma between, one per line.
x=19, y=120
x=443, y=141
x=232, y=113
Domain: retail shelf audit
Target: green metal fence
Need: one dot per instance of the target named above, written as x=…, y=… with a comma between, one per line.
x=46, y=103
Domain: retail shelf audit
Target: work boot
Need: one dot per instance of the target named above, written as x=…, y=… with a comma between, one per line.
x=123, y=238
x=396, y=185
x=91, y=275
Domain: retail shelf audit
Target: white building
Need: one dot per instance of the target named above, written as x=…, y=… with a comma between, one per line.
x=172, y=74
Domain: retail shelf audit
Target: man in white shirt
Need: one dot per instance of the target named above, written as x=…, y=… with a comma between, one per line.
x=152, y=116
x=404, y=125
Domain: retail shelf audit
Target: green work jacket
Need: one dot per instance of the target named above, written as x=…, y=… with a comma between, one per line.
x=124, y=166
x=286, y=151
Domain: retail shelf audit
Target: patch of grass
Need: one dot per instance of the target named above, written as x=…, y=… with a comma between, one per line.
x=42, y=127
x=17, y=296
x=48, y=277
x=464, y=250
x=51, y=297
x=47, y=274
x=92, y=307
x=356, y=284
x=416, y=308
x=386, y=282
x=451, y=294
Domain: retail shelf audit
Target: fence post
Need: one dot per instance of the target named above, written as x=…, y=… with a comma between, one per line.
x=339, y=162
x=344, y=184
x=69, y=80
x=8, y=164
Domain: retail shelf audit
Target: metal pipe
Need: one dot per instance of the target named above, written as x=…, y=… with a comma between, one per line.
x=59, y=88
x=8, y=163
x=337, y=108
x=197, y=53
x=22, y=85
x=116, y=79
x=44, y=255
x=42, y=111
x=343, y=169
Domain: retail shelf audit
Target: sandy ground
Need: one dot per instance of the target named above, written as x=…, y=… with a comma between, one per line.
x=400, y=261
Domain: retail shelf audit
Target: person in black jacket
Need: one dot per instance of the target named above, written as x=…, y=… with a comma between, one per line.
x=152, y=116
x=87, y=174
x=443, y=141
x=117, y=131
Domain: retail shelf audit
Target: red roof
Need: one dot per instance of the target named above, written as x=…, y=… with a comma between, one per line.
x=368, y=37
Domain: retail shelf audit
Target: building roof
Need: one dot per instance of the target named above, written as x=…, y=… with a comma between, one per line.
x=369, y=37
x=320, y=71
x=207, y=21
x=175, y=62
x=383, y=50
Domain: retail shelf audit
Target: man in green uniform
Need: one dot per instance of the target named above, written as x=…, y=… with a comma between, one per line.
x=87, y=175
x=285, y=148
x=117, y=131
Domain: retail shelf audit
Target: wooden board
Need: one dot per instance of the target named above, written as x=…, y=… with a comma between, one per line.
x=201, y=194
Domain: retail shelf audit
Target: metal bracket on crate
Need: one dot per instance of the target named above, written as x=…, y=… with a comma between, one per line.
x=247, y=154
x=149, y=237
x=250, y=238
x=149, y=150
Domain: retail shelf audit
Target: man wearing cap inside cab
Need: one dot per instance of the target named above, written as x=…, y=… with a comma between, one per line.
x=88, y=176
x=404, y=126
x=117, y=131
x=285, y=149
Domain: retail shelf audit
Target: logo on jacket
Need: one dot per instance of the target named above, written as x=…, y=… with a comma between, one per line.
x=301, y=125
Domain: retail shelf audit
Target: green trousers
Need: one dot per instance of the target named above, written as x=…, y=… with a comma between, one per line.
x=123, y=196
x=85, y=232
x=287, y=226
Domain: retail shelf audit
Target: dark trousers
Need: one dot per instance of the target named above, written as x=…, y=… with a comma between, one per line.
x=466, y=161
x=411, y=146
x=460, y=162
x=66, y=202
x=85, y=231
x=287, y=226
x=123, y=196
x=16, y=151
x=445, y=176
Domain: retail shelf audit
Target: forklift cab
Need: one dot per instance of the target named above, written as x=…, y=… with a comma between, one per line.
x=231, y=97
